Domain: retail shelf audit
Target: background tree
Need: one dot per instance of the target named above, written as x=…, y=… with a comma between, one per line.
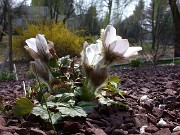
x=91, y=21
x=8, y=7
x=131, y=27
x=57, y=8
x=114, y=8
x=176, y=19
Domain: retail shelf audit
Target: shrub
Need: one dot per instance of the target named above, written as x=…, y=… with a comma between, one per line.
x=66, y=42
x=177, y=62
x=135, y=63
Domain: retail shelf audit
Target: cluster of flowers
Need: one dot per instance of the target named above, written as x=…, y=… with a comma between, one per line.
x=108, y=50
x=96, y=58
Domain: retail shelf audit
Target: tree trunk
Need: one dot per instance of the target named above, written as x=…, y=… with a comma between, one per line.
x=10, y=42
x=176, y=20
x=153, y=28
x=109, y=8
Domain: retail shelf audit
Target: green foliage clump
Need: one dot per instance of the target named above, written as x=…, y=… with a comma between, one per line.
x=30, y=74
x=66, y=42
x=4, y=75
x=135, y=63
x=177, y=62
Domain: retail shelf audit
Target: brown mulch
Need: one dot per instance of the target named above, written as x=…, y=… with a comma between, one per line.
x=161, y=84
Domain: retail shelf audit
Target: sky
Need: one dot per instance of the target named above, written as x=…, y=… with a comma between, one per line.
x=128, y=11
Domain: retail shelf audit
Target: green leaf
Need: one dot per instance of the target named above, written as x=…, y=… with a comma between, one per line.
x=23, y=106
x=106, y=101
x=114, y=79
x=64, y=97
x=41, y=111
x=53, y=62
x=72, y=111
x=56, y=104
x=64, y=61
x=55, y=117
x=87, y=106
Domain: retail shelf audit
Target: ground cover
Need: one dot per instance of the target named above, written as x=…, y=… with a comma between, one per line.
x=161, y=84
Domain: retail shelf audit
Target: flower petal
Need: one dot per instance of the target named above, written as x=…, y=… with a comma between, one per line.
x=110, y=35
x=132, y=51
x=41, y=43
x=93, y=54
x=32, y=52
x=32, y=44
x=96, y=59
x=119, y=46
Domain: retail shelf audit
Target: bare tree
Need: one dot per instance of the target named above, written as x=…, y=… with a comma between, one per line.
x=8, y=8
x=112, y=6
x=6, y=24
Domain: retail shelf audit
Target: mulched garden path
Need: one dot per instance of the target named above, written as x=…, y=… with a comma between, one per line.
x=152, y=93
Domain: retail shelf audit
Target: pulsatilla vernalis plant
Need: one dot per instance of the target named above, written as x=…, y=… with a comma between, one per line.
x=74, y=83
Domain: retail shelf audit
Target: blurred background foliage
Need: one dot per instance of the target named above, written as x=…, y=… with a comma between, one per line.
x=66, y=42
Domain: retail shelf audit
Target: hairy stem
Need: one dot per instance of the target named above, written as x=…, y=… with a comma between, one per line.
x=44, y=99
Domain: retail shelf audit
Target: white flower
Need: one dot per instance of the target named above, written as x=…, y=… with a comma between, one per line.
x=38, y=47
x=92, y=54
x=115, y=44
x=93, y=62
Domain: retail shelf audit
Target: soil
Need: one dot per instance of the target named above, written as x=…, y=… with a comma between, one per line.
x=152, y=94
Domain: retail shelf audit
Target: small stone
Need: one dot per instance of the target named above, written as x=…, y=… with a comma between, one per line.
x=145, y=90
x=162, y=106
x=12, y=122
x=98, y=131
x=133, y=131
x=144, y=98
x=128, y=120
x=170, y=100
x=140, y=120
x=94, y=115
x=141, y=110
x=164, y=131
x=2, y=121
x=177, y=128
x=170, y=92
x=162, y=123
x=118, y=132
x=129, y=125
x=148, y=104
x=169, y=85
x=107, y=123
x=95, y=121
x=142, y=129
x=157, y=112
x=116, y=120
x=108, y=130
x=176, y=133
x=151, y=129
x=152, y=118
x=20, y=131
x=35, y=131
x=6, y=133
x=50, y=132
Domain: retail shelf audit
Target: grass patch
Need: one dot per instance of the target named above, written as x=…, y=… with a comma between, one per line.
x=4, y=75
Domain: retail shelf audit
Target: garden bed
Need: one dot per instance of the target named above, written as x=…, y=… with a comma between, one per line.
x=161, y=84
